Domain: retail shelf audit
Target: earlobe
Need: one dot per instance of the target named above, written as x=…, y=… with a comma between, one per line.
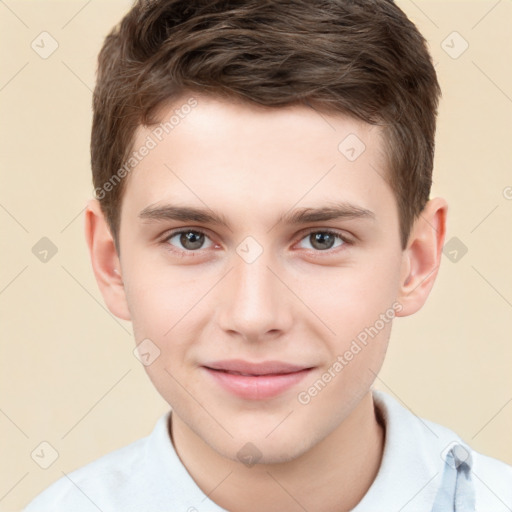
x=105, y=261
x=422, y=256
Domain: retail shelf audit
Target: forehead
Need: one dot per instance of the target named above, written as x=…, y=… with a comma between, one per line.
x=210, y=152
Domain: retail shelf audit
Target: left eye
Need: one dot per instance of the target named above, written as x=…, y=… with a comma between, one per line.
x=323, y=240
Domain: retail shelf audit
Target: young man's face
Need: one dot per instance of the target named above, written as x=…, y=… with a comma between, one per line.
x=262, y=288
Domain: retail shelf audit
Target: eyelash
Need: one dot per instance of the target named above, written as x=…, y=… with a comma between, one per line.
x=188, y=253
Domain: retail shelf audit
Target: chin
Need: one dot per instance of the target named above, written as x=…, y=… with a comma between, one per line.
x=281, y=449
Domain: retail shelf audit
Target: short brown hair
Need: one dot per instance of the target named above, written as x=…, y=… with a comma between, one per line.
x=362, y=58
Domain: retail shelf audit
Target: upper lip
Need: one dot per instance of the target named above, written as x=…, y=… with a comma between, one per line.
x=262, y=368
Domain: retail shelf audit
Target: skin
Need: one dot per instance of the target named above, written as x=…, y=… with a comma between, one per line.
x=297, y=302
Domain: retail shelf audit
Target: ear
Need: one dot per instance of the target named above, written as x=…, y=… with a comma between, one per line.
x=422, y=256
x=105, y=261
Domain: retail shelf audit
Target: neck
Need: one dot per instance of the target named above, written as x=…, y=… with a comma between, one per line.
x=333, y=476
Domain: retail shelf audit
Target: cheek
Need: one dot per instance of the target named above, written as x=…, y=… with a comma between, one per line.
x=160, y=300
x=159, y=314
x=365, y=314
x=348, y=299
x=332, y=394
x=167, y=309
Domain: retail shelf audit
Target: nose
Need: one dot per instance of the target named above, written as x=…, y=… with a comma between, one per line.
x=256, y=305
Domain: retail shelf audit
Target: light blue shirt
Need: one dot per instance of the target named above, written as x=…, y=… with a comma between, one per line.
x=425, y=468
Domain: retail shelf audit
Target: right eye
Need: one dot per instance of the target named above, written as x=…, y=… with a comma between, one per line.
x=190, y=240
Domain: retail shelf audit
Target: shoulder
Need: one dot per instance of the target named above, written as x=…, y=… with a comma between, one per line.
x=493, y=483
x=429, y=442
x=112, y=482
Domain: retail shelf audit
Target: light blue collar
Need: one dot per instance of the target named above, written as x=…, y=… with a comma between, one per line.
x=457, y=492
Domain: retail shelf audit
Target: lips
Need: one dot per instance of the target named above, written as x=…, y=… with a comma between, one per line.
x=255, y=381
x=240, y=367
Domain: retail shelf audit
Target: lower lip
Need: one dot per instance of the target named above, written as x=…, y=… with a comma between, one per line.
x=260, y=387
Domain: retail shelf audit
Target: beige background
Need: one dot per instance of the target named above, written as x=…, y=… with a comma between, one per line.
x=68, y=374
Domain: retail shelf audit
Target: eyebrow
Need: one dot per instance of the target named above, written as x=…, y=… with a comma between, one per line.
x=336, y=211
